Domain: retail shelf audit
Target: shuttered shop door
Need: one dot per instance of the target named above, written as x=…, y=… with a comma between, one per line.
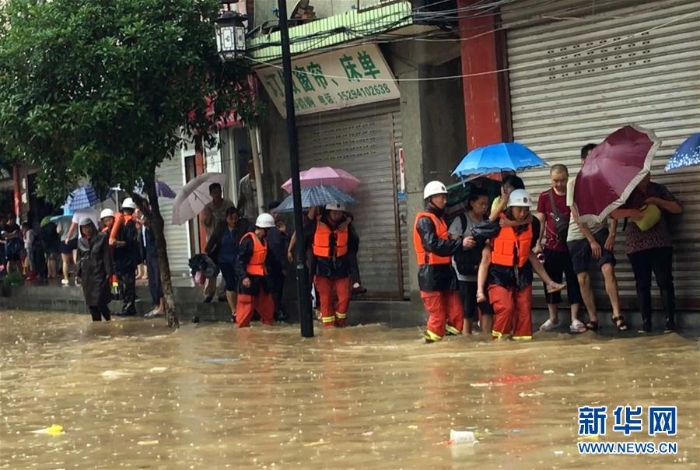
x=362, y=143
x=574, y=82
x=171, y=173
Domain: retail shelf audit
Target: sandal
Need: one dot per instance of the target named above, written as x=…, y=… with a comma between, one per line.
x=592, y=326
x=619, y=322
x=549, y=325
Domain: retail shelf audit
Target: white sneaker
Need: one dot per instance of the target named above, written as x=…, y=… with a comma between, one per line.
x=65, y=282
x=577, y=326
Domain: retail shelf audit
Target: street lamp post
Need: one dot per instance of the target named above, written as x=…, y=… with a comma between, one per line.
x=304, y=290
x=230, y=41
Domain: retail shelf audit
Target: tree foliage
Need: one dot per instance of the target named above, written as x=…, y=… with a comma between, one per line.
x=100, y=89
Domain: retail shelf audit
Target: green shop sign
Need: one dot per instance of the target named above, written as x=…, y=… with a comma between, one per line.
x=334, y=80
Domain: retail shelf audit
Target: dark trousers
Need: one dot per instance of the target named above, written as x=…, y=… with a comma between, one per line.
x=558, y=264
x=127, y=283
x=660, y=262
x=354, y=267
x=154, y=285
x=100, y=311
x=467, y=294
x=276, y=282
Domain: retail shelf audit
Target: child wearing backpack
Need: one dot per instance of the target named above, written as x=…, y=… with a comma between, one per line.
x=467, y=261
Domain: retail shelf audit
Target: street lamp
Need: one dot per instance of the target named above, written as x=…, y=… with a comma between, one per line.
x=230, y=33
x=230, y=41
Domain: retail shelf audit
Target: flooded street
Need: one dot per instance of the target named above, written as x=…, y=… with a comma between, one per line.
x=133, y=394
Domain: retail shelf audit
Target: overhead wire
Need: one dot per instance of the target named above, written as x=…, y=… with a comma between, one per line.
x=382, y=30
x=507, y=69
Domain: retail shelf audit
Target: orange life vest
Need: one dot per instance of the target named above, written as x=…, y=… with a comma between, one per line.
x=322, y=240
x=511, y=249
x=256, y=265
x=423, y=256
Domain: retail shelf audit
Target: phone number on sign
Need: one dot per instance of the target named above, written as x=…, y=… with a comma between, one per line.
x=364, y=92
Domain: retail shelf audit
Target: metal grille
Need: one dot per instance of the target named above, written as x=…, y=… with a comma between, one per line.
x=574, y=82
x=361, y=142
x=171, y=173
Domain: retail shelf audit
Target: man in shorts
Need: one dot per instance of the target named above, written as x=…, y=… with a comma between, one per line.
x=593, y=241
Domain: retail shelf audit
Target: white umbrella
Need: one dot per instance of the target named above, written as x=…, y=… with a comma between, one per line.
x=194, y=196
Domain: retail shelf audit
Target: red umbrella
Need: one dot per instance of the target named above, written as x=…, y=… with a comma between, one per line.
x=612, y=171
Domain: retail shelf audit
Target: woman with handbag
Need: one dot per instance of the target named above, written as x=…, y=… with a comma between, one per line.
x=466, y=261
x=649, y=247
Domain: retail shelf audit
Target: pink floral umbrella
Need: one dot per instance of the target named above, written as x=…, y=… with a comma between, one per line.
x=325, y=176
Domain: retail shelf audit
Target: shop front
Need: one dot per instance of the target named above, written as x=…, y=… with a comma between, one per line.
x=577, y=73
x=349, y=118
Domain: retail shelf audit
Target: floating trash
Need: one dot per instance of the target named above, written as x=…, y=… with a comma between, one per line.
x=530, y=394
x=462, y=437
x=114, y=374
x=53, y=430
x=147, y=443
x=157, y=369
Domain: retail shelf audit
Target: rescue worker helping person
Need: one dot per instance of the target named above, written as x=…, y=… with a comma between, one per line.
x=506, y=270
x=254, y=292
x=329, y=238
x=436, y=278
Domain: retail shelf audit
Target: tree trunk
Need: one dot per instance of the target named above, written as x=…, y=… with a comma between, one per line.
x=158, y=226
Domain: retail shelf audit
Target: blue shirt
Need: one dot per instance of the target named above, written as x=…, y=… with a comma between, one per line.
x=228, y=250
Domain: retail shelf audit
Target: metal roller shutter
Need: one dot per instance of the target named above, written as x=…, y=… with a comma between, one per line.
x=362, y=143
x=575, y=81
x=171, y=173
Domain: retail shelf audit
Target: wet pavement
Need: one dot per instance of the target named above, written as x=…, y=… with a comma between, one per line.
x=133, y=394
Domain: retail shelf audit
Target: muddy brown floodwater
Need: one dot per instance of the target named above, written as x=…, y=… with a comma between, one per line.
x=132, y=394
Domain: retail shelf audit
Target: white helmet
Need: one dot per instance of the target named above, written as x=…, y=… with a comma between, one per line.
x=265, y=221
x=434, y=188
x=128, y=204
x=519, y=198
x=335, y=207
x=106, y=213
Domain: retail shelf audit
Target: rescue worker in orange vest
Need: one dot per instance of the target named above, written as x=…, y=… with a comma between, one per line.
x=436, y=278
x=126, y=240
x=107, y=219
x=253, y=291
x=329, y=238
x=506, y=269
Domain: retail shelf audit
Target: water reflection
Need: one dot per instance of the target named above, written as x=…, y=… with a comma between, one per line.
x=132, y=394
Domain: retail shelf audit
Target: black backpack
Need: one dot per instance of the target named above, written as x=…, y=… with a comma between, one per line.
x=467, y=261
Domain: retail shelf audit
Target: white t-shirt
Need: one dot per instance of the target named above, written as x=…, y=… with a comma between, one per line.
x=575, y=232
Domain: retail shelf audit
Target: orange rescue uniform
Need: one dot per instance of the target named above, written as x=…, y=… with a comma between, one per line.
x=510, y=283
x=330, y=248
x=257, y=297
x=438, y=282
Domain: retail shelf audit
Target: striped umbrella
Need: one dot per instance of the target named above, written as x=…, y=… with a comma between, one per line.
x=316, y=196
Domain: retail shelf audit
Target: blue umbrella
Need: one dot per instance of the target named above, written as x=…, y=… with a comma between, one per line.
x=82, y=198
x=317, y=196
x=688, y=154
x=496, y=158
